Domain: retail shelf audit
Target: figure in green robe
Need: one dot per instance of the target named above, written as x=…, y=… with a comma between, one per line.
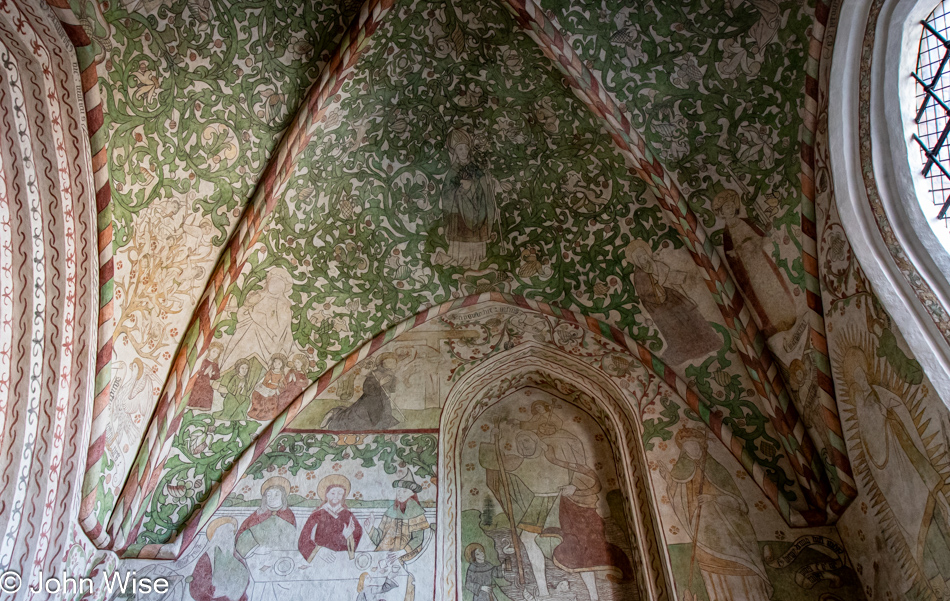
x=469, y=210
x=402, y=529
x=238, y=384
x=273, y=526
x=710, y=506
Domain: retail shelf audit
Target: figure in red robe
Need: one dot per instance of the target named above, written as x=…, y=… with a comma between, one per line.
x=265, y=397
x=295, y=382
x=202, y=393
x=220, y=574
x=332, y=525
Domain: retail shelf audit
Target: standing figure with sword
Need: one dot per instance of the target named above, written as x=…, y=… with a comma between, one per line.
x=708, y=503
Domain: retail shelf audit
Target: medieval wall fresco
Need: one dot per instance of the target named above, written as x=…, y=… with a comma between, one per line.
x=726, y=541
x=716, y=89
x=196, y=95
x=319, y=516
x=540, y=473
x=456, y=163
x=742, y=545
x=383, y=193
x=483, y=137
x=897, y=429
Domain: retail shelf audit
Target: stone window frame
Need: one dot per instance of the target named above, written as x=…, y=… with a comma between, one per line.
x=907, y=265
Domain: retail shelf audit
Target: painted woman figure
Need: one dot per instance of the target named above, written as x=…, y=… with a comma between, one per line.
x=710, y=506
x=264, y=399
x=469, y=211
x=748, y=252
x=273, y=526
x=238, y=385
x=263, y=322
x=480, y=575
x=687, y=333
x=294, y=382
x=202, y=393
x=220, y=574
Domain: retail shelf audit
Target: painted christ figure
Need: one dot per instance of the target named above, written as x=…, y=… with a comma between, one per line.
x=332, y=526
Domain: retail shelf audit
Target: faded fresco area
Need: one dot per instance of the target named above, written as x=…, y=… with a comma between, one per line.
x=320, y=516
x=540, y=474
x=538, y=453
x=404, y=309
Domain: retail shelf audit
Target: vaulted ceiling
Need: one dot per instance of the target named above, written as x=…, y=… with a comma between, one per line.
x=297, y=179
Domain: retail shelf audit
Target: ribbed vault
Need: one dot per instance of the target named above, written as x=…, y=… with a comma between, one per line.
x=440, y=154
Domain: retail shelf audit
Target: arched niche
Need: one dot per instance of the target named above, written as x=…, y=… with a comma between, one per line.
x=587, y=392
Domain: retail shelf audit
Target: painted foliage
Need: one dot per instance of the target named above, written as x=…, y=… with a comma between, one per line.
x=196, y=95
x=454, y=161
x=451, y=192
x=319, y=516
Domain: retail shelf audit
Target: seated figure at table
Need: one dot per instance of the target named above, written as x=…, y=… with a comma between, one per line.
x=272, y=526
x=402, y=528
x=332, y=526
x=220, y=574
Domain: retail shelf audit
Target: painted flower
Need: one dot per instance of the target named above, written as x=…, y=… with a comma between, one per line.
x=146, y=86
x=511, y=60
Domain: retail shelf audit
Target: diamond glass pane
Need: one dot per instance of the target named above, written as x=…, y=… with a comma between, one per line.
x=933, y=118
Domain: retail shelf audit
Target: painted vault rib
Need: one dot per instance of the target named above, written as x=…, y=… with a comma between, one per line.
x=761, y=369
x=750, y=343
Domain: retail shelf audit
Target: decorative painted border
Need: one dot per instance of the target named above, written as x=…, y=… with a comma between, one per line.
x=50, y=285
x=838, y=453
x=88, y=66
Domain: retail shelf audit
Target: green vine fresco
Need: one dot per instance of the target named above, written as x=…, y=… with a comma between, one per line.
x=716, y=86
x=447, y=94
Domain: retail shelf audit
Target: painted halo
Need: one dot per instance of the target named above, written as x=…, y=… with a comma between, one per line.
x=331, y=481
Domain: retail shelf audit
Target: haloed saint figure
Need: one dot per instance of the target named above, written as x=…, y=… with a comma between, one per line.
x=332, y=528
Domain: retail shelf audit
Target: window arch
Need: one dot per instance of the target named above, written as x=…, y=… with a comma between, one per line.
x=874, y=162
